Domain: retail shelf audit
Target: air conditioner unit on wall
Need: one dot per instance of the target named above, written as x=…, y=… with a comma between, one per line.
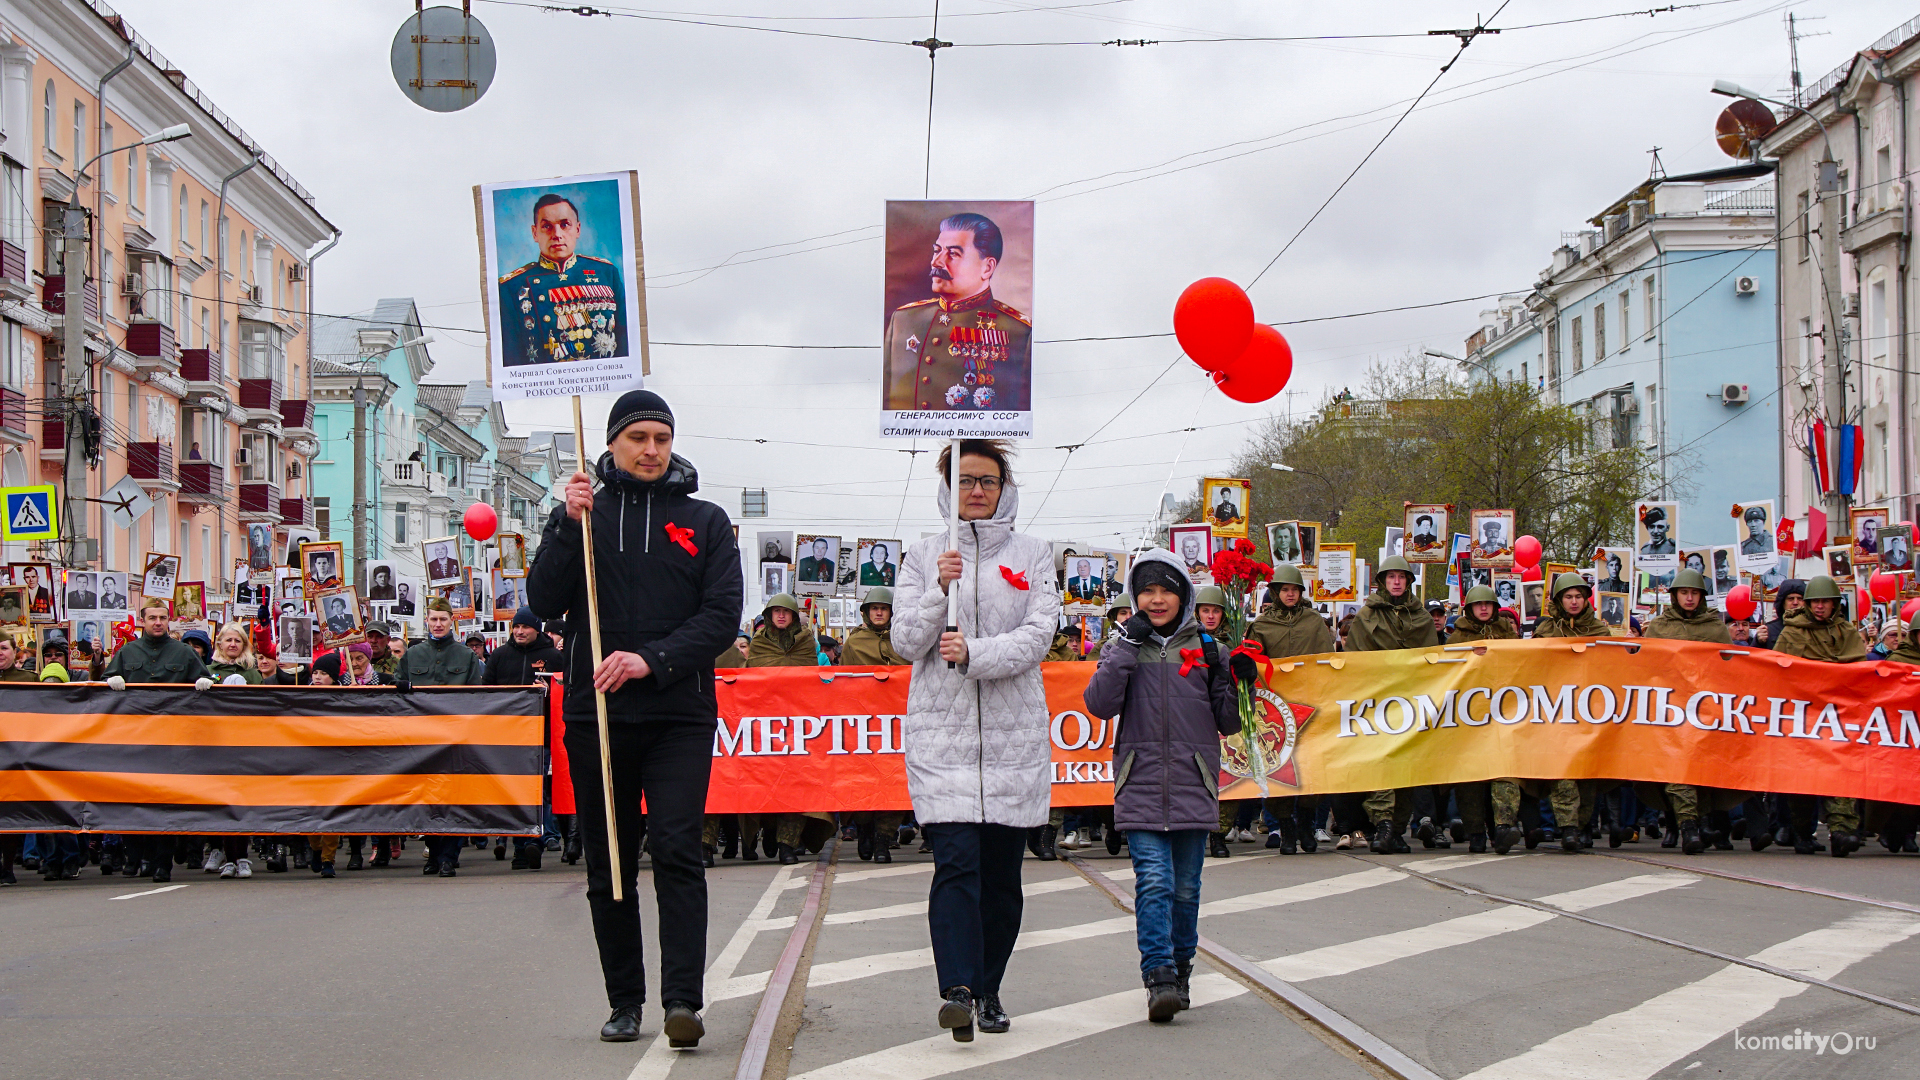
x=242, y=456
x=296, y=272
x=1733, y=394
x=1629, y=405
x=1746, y=285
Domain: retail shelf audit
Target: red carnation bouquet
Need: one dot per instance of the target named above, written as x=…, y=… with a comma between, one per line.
x=1238, y=574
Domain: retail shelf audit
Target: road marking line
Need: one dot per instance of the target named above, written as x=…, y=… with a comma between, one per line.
x=1455, y=862
x=659, y=1058
x=864, y=875
x=939, y=1055
x=919, y=907
x=149, y=892
x=1642, y=1040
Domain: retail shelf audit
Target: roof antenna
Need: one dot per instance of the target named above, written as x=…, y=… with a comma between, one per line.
x=1658, y=171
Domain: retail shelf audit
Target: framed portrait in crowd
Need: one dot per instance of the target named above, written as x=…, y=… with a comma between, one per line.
x=509, y=595
x=382, y=581
x=259, y=546
x=775, y=547
x=879, y=563
x=1839, y=559
x=773, y=579
x=408, y=593
x=157, y=575
x=477, y=581
x=847, y=575
x=190, y=602
x=1864, y=524
x=339, y=613
x=13, y=606
x=83, y=591
x=1896, y=549
x=37, y=579
x=1699, y=560
x=296, y=637
x=459, y=597
x=1337, y=577
x=1084, y=589
x=1613, y=569
x=1192, y=544
x=1493, y=535
x=1656, y=530
x=115, y=600
x=1753, y=524
x=1725, y=572
x=442, y=559
x=1283, y=542
x=1532, y=600
x=513, y=554
x=818, y=571
x=1225, y=501
x=1613, y=610
x=1424, y=539
x=297, y=535
x=1309, y=543
x=321, y=565
x=1506, y=588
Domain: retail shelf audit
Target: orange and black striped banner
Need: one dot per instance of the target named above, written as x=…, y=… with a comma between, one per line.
x=271, y=759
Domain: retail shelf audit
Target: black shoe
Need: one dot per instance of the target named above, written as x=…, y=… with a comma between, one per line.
x=1217, y=846
x=1184, y=983
x=448, y=868
x=1049, y=844
x=1691, y=842
x=993, y=1019
x=29, y=862
x=1033, y=840
x=1441, y=839
x=728, y=850
x=1533, y=838
x=277, y=864
x=499, y=850
x=1843, y=843
x=1425, y=832
x=881, y=854
x=1907, y=844
x=1759, y=839
x=1670, y=838
x=706, y=857
x=1382, y=838
x=1163, y=994
x=1738, y=831
x=1570, y=841
x=326, y=870
x=133, y=868
x=622, y=1026
x=956, y=1013
x=769, y=843
x=1616, y=837
x=1504, y=837
x=682, y=1026
x=162, y=874
x=1477, y=844
x=1805, y=846
x=356, y=860
x=519, y=859
x=381, y=860
x=6, y=876
x=1113, y=848
x=1722, y=841
x=571, y=853
x=1308, y=842
x=864, y=845
x=787, y=855
x=429, y=867
x=314, y=864
x=1289, y=840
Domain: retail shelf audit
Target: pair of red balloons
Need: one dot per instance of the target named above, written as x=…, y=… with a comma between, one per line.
x=1884, y=587
x=1527, y=551
x=1249, y=361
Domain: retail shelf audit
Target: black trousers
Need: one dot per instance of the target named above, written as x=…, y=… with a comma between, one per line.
x=669, y=763
x=973, y=908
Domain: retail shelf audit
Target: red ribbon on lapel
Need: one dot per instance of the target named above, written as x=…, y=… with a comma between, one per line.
x=1018, y=581
x=683, y=537
x=1259, y=654
x=1191, y=658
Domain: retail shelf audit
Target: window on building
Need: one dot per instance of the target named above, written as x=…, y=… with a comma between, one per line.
x=182, y=238
x=323, y=516
x=400, y=523
x=1806, y=351
x=448, y=465
x=263, y=458
x=47, y=104
x=133, y=411
x=206, y=220
x=79, y=135
x=1802, y=225
x=13, y=357
x=106, y=408
x=226, y=245
x=1652, y=318
x=1883, y=177
x=322, y=426
x=1626, y=323
x=106, y=164
x=109, y=287
x=206, y=328
x=16, y=220
x=1553, y=352
x=260, y=353
x=1877, y=334
x=133, y=178
x=1620, y=406
x=1882, y=464
x=1578, y=341
x=1599, y=332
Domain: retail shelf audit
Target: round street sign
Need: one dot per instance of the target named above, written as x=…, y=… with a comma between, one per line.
x=443, y=59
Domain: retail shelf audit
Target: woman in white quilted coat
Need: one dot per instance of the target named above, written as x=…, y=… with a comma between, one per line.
x=979, y=758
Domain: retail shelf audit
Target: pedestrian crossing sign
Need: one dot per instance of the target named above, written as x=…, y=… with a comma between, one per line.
x=29, y=513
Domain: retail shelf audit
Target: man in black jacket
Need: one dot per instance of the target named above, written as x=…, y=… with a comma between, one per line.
x=668, y=574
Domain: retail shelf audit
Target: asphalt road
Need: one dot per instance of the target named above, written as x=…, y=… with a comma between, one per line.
x=494, y=974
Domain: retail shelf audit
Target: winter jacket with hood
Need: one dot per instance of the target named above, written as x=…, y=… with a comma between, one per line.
x=977, y=735
x=1705, y=624
x=514, y=664
x=1299, y=630
x=793, y=647
x=1789, y=587
x=1562, y=625
x=733, y=656
x=1391, y=622
x=1171, y=709
x=1908, y=652
x=1467, y=629
x=870, y=646
x=668, y=572
x=1836, y=641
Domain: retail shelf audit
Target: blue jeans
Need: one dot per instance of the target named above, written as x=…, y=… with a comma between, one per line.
x=1166, y=894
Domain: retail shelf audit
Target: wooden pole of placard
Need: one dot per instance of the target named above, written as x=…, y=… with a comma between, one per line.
x=953, y=534
x=593, y=633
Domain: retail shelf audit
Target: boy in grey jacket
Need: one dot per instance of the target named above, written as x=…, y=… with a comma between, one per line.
x=1168, y=685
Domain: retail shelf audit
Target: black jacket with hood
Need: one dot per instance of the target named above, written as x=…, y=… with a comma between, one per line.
x=668, y=571
x=1789, y=587
x=514, y=664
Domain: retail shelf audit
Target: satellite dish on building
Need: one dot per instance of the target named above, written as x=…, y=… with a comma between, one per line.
x=1741, y=126
x=443, y=58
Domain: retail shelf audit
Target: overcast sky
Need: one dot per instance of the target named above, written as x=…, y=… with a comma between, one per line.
x=1152, y=165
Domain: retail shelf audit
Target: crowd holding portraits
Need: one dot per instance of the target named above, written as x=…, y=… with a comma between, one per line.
x=441, y=558
x=1753, y=533
x=1864, y=525
x=1224, y=502
x=322, y=563
x=512, y=548
x=1426, y=530
x=817, y=573
x=1896, y=549
x=1283, y=542
x=1337, y=577
x=1493, y=535
x=1193, y=545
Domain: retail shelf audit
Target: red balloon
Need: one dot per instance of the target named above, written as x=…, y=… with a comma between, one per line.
x=1739, y=602
x=1863, y=606
x=480, y=521
x=1884, y=587
x=1261, y=371
x=1907, y=610
x=1526, y=551
x=1532, y=573
x=1213, y=319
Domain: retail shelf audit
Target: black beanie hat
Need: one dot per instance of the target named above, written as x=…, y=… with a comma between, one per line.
x=330, y=664
x=1154, y=572
x=526, y=617
x=635, y=406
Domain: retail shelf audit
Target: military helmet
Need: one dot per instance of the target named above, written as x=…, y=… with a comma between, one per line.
x=879, y=594
x=1288, y=574
x=1211, y=594
x=1571, y=580
x=1821, y=588
x=1389, y=564
x=1689, y=579
x=1124, y=600
x=1913, y=624
x=784, y=600
x=1480, y=594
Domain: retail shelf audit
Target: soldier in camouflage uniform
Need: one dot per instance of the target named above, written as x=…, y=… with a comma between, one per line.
x=1391, y=617
x=1570, y=615
x=1818, y=632
x=1688, y=618
x=1290, y=627
x=961, y=350
x=868, y=646
x=1482, y=620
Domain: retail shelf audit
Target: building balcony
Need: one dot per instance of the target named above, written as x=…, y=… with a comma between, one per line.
x=204, y=481
x=261, y=399
x=203, y=370
x=259, y=501
x=151, y=465
x=296, y=511
x=53, y=437
x=14, y=282
x=1873, y=229
x=415, y=475
x=13, y=416
x=53, y=297
x=296, y=416
x=153, y=347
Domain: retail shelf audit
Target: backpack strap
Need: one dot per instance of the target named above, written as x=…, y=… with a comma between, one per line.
x=1211, y=649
